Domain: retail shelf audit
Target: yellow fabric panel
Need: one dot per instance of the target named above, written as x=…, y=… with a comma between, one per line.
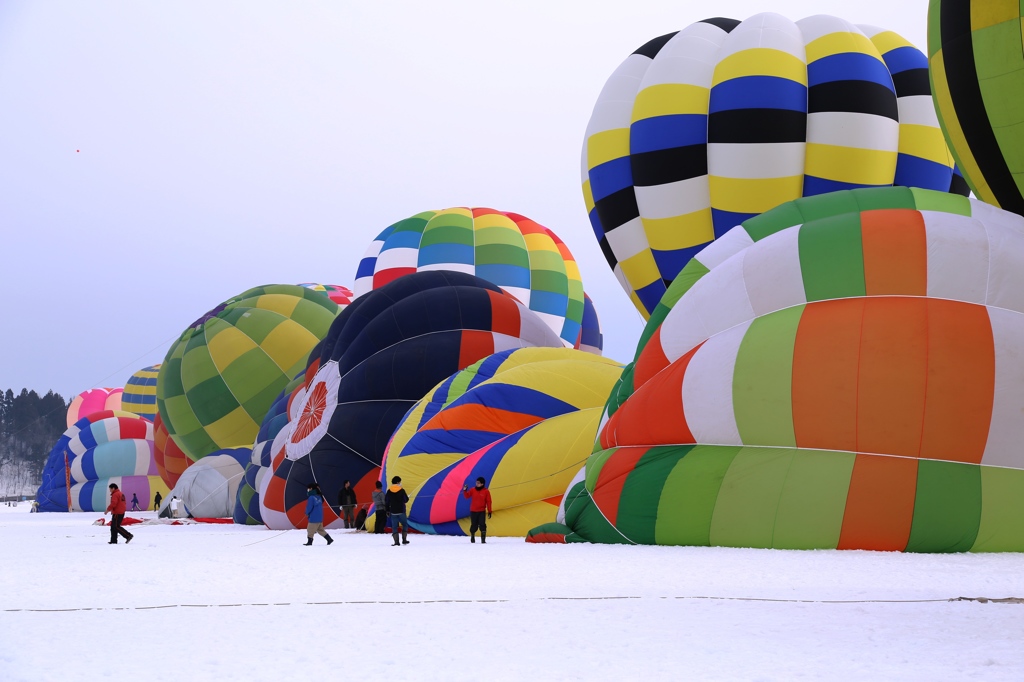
x=454, y=210
x=234, y=429
x=607, y=145
x=925, y=142
x=538, y=241
x=667, y=99
x=640, y=270
x=572, y=270
x=487, y=220
x=954, y=133
x=851, y=164
x=888, y=40
x=760, y=61
x=564, y=380
x=639, y=306
x=757, y=195
x=279, y=303
x=985, y=13
x=679, y=232
x=228, y=345
x=840, y=42
x=588, y=196
x=288, y=343
x=517, y=521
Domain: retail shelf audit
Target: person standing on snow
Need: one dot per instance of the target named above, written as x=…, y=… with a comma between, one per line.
x=347, y=502
x=479, y=504
x=157, y=500
x=395, y=500
x=116, y=508
x=315, y=513
x=135, y=502
x=380, y=513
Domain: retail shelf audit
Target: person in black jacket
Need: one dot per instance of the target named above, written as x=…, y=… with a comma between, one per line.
x=395, y=500
x=380, y=512
x=347, y=503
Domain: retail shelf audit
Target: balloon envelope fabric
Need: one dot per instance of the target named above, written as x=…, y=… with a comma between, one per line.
x=383, y=353
x=523, y=419
x=521, y=256
x=865, y=388
x=139, y=396
x=93, y=400
x=170, y=460
x=103, y=448
x=591, y=339
x=342, y=296
x=220, y=378
x=209, y=487
x=699, y=130
x=977, y=71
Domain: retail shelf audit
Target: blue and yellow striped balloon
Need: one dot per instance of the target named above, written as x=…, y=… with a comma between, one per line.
x=139, y=395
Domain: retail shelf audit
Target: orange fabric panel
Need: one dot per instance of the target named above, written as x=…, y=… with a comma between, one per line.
x=893, y=376
x=480, y=418
x=880, y=504
x=961, y=382
x=651, y=361
x=612, y=479
x=895, y=253
x=654, y=414
x=475, y=345
x=825, y=360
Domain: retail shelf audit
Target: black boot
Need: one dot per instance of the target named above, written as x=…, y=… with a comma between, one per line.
x=483, y=537
x=472, y=537
x=395, y=536
x=309, y=542
x=329, y=539
x=405, y=540
x=130, y=538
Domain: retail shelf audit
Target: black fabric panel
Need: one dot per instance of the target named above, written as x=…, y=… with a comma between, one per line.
x=740, y=126
x=959, y=186
x=651, y=48
x=911, y=82
x=669, y=165
x=617, y=209
x=723, y=23
x=862, y=97
x=962, y=80
x=609, y=256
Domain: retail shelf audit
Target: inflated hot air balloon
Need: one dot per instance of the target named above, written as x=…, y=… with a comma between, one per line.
x=139, y=395
x=382, y=354
x=220, y=378
x=170, y=460
x=93, y=400
x=521, y=256
x=977, y=72
x=337, y=293
x=701, y=129
x=524, y=420
x=845, y=373
x=209, y=487
x=102, y=448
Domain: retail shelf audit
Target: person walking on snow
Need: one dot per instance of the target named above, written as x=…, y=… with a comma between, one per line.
x=157, y=500
x=135, y=502
x=380, y=514
x=479, y=504
x=395, y=500
x=116, y=508
x=347, y=502
x=315, y=513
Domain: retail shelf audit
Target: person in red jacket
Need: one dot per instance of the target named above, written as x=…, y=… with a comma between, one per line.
x=116, y=509
x=479, y=504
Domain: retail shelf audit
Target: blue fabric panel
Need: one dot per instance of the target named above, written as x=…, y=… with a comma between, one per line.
x=726, y=220
x=366, y=267
x=402, y=240
x=848, y=66
x=904, y=59
x=913, y=171
x=517, y=399
x=667, y=132
x=651, y=294
x=438, y=254
x=814, y=186
x=671, y=262
x=549, y=302
x=758, y=92
x=505, y=275
x=610, y=177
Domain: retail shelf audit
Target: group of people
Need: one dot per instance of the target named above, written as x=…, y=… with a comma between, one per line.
x=392, y=503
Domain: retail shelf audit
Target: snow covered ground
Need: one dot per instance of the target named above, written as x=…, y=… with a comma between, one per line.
x=244, y=603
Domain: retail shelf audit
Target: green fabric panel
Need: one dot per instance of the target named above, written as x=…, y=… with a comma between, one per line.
x=1000, y=65
x=947, y=508
x=178, y=415
x=876, y=198
x=550, y=280
x=575, y=498
x=749, y=498
x=827, y=205
x=637, y=516
x=195, y=441
x=621, y=391
x=196, y=367
x=768, y=223
x=832, y=258
x=259, y=404
x=1002, y=511
x=259, y=323
x=168, y=382
x=574, y=309
x=314, y=317
x=687, y=502
x=944, y=202
x=813, y=500
x=547, y=260
x=762, y=381
x=211, y=400
x=501, y=235
x=594, y=465
x=934, y=30
x=447, y=234
x=250, y=373
x=587, y=521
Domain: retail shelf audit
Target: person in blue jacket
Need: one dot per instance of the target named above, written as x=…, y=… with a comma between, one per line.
x=315, y=513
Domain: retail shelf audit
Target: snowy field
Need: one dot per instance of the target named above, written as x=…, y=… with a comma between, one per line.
x=221, y=602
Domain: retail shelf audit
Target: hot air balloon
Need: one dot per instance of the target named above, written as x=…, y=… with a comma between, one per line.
x=139, y=396
x=209, y=487
x=849, y=379
x=521, y=256
x=701, y=129
x=93, y=400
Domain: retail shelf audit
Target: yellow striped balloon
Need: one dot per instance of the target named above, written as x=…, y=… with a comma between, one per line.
x=139, y=395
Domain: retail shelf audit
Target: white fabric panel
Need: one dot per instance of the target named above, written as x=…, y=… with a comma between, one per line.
x=328, y=375
x=716, y=302
x=812, y=28
x=726, y=246
x=208, y=487
x=396, y=258
x=520, y=293
x=553, y=322
x=689, y=57
x=772, y=273
x=768, y=30
x=673, y=198
x=614, y=107
x=144, y=455
x=580, y=475
x=917, y=110
x=364, y=284
x=627, y=239
x=1006, y=268
x=869, y=30
x=849, y=129
x=1006, y=432
x=621, y=278
x=756, y=160
x=957, y=257
x=467, y=268
x=536, y=331
x=707, y=389
x=990, y=215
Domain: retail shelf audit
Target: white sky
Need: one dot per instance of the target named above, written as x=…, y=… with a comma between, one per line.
x=225, y=145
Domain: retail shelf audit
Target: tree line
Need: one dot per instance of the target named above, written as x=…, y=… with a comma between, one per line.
x=30, y=425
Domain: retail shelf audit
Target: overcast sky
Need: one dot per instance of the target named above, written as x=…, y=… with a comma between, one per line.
x=157, y=158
